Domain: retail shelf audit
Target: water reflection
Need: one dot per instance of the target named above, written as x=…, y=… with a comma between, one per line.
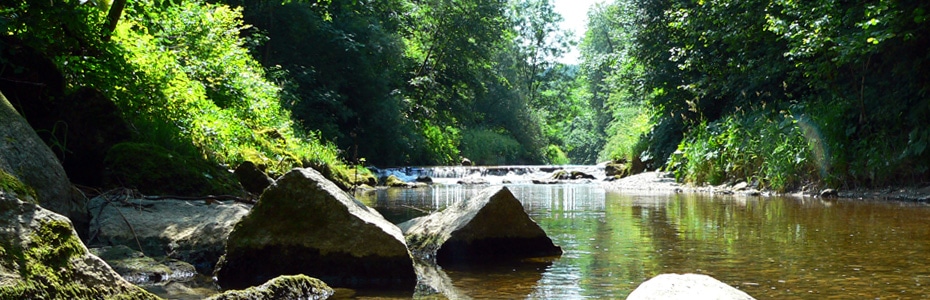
x=781, y=248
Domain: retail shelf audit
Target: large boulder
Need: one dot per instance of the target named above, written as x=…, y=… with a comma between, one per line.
x=304, y=224
x=41, y=257
x=191, y=231
x=490, y=226
x=26, y=157
x=291, y=287
x=686, y=286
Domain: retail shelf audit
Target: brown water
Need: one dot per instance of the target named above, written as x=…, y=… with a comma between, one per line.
x=771, y=248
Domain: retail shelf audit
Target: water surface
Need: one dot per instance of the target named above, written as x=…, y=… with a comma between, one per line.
x=771, y=248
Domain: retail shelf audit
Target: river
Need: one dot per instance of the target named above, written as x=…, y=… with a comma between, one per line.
x=769, y=247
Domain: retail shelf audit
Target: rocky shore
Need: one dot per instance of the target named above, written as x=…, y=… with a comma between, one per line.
x=664, y=182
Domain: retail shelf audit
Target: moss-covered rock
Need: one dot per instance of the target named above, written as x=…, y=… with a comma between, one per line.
x=41, y=257
x=345, y=177
x=393, y=181
x=155, y=170
x=283, y=287
x=304, y=224
x=9, y=184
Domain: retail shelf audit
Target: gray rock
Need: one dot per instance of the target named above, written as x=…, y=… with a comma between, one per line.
x=137, y=268
x=685, y=286
x=491, y=226
x=424, y=179
x=26, y=157
x=828, y=193
x=283, y=287
x=742, y=185
x=191, y=231
x=304, y=224
x=472, y=181
x=252, y=178
x=43, y=258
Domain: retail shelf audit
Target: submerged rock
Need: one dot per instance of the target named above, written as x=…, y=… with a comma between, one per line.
x=191, y=231
x=491, y=226
x=304, y=224
x=283, y=287
x=686, y=286
x=137, y=268
x=41, y=257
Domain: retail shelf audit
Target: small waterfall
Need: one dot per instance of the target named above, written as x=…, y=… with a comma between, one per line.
x=492, y=174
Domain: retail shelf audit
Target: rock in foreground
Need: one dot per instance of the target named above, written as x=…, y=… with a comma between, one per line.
x=191, y=231
x=686, y=286
x=304, y=224
x=281, y=288
x=26, y=157
x=491, y=226
x=41, y=257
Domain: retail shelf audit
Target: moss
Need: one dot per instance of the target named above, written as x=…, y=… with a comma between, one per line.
x=9, y=184
x=341, y=175
x=393, y=181
x=155, y=170
x=283, y=287
x=45, y=268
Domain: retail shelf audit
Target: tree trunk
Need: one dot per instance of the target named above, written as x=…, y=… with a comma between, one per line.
x=116, y=11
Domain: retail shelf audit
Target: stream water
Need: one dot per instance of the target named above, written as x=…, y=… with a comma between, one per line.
x=771, y=248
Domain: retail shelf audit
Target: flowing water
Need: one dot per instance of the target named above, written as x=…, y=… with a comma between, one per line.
x=771, y=248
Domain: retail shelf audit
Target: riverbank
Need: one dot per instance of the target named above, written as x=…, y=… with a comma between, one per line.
x=664, y=182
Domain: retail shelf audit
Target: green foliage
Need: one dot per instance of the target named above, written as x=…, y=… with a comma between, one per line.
x=762, y=145
x=628, y=128
x=487, y=147
x=342, y=70
x=850, y=72
x=441, y=144
x=155, y=170
x=556, y=156
x=179, y=74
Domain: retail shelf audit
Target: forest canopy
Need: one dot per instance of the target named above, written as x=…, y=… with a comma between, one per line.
x=784, y=94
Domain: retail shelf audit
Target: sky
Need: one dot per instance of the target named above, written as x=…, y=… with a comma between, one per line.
x=575, y=13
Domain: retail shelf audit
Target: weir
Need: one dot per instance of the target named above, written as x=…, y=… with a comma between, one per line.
x=515, y=174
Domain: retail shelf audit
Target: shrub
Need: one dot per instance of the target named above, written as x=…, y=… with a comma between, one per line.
x=766, y=146
x=488, y=147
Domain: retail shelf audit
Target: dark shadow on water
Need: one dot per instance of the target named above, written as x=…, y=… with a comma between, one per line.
x=498, y=280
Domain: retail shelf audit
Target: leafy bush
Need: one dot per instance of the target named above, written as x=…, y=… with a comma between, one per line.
x=555, y=155
x=181, y=76
x=630, y=125
x=488, y=147
x=762, y=145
